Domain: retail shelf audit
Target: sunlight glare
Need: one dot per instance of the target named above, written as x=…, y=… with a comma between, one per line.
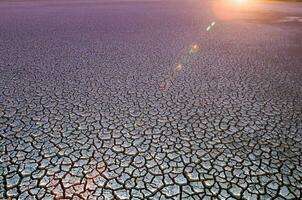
x=230, y=9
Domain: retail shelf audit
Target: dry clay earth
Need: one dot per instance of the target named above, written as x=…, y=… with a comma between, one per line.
x=107, y=100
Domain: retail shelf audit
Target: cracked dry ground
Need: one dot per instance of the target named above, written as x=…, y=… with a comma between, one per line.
x=82, y=115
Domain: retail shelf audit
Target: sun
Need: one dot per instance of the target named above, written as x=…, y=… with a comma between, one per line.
x=230, y=9
x=239, y=2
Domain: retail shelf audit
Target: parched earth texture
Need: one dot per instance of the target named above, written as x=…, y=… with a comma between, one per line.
x=140, y=100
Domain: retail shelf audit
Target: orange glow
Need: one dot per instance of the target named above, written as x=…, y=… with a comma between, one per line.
x=230, y=9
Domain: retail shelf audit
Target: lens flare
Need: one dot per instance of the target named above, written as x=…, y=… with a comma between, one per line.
x=179, y=66
x=194, y=48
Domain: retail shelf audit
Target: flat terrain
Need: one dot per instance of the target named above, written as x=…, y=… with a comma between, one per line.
x=150, y=100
